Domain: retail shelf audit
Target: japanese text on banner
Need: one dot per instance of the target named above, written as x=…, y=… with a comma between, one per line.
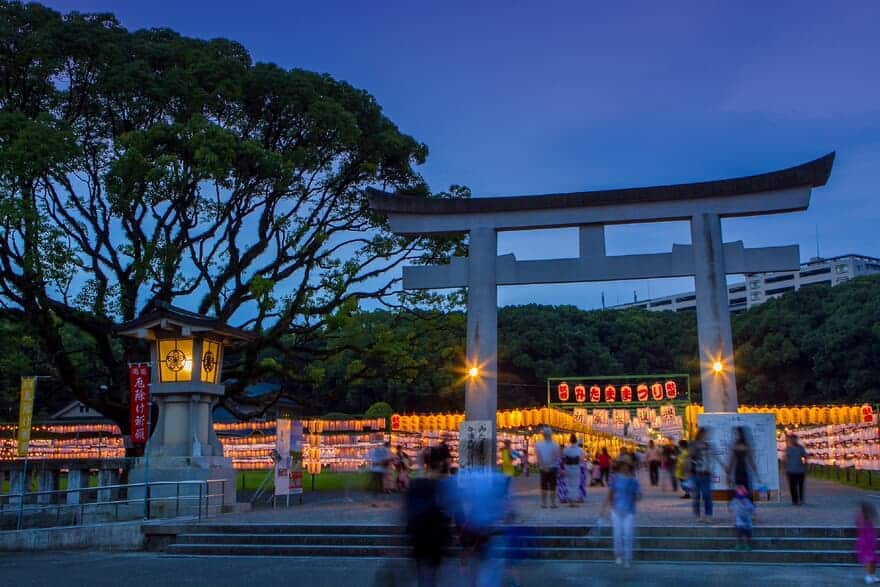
x=25, y=413
x=139, y=402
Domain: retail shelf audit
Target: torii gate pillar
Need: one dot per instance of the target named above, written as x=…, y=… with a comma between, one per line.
x=481, y=399
x=713, y=316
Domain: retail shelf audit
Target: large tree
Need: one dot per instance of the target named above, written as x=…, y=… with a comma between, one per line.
x=146, y=167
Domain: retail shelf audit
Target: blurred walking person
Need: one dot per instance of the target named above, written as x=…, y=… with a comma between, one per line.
x=623, y=493
x=795, y=469
x=743, y=509
x=427, y=523
x=669, y=465
x=741, y=466
x=481, y=505
x=402, y=463
x=573, y=476
x=866, y=541
x=605, y=465
x=549, y=455
x=700, y=460
x=653, y=457
x=508, y=455
x=682, y=468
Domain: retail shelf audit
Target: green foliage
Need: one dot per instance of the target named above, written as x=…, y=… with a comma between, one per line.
x=379, y=410
x=139, y=168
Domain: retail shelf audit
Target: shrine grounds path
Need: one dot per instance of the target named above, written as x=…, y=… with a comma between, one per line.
x=827, y=504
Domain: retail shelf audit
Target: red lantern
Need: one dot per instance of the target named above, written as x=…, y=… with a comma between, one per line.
x=395, y=422
x=671, y=390
x=642, y=392
x=867, y=414
x=563, y=392
x=657, y=391
x=626, y=393
x=580, y=393
x=595, y=393
x=610, y=393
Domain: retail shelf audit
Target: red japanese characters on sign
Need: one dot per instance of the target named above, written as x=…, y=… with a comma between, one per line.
x=139, y=402
x=642, y=391
x=580, y=393
x=563, y=391
x=595, y=394
x=626, y=393
x=867, y=414
x=657, y=391
x=671, y=390
x=395, y=422
x=610, y=393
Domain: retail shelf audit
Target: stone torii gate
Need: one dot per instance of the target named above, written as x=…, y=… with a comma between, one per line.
x=707, y=258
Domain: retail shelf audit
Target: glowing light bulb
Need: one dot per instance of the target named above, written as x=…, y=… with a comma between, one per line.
x=473, y=372
x=718, y=366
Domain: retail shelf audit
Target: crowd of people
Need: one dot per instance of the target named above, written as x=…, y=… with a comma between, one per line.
x=472, y=505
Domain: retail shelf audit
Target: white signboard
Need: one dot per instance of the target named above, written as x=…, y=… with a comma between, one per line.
x=475, y=444
x=761, y=434
x=282, y=463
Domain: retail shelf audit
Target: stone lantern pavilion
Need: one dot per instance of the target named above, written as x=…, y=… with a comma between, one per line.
x=186, y=354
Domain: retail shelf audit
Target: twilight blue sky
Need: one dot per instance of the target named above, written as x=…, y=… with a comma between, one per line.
x=519, y=97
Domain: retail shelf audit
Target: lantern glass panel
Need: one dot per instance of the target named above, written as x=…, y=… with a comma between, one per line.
x=210, y=361
x=175, y=360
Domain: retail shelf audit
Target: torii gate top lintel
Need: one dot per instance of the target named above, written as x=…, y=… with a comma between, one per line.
x=785, y=190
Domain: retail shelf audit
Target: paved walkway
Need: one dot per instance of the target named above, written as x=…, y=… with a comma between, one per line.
x=827, y=504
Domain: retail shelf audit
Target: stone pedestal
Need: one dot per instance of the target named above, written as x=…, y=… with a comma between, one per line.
x=184, y=447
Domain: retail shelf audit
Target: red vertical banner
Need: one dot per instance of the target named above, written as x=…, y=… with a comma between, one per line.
x=139, y=402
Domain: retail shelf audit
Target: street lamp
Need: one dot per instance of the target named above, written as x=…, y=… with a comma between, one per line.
x=718, y=367
x=473, y=372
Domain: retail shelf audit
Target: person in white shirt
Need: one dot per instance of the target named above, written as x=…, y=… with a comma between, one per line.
x=549, y=455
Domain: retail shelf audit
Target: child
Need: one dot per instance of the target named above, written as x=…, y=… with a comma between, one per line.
x=622, y=496
x=866, y=543
x=743, y=509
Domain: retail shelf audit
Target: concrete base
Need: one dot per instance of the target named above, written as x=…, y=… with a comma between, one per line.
x=184, y=469
x=115, y=536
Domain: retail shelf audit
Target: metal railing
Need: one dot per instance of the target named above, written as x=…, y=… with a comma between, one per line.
x=158, y=499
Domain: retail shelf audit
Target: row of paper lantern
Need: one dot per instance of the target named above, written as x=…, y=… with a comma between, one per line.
x=504, y=420
x=815, y=415
x=312, y=460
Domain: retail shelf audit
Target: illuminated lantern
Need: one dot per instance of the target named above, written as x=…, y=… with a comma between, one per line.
x=536, y=417
x=784, y=417
x=671, y=390
x=562, y=391
x=595, y=394
x=395, y=421
x=527, y=418
x=834, y=416
x=499, y=420
x=826, y=415
x=855, y=414
x=642, y=392
x=626, y=393
x=657, y=391
x=545, y=416
x=610, y=393
x=867, y=413
x=794, y=416
x=804, y=415
x=580, y=393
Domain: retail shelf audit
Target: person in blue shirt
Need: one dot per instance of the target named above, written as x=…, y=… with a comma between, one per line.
x=624, y=492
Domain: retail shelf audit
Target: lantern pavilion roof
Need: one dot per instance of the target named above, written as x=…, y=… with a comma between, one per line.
x=164, y=318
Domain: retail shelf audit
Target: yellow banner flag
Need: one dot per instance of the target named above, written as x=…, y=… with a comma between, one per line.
x=25, y=413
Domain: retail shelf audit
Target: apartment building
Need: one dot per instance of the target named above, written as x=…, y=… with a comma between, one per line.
x=760, y=287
